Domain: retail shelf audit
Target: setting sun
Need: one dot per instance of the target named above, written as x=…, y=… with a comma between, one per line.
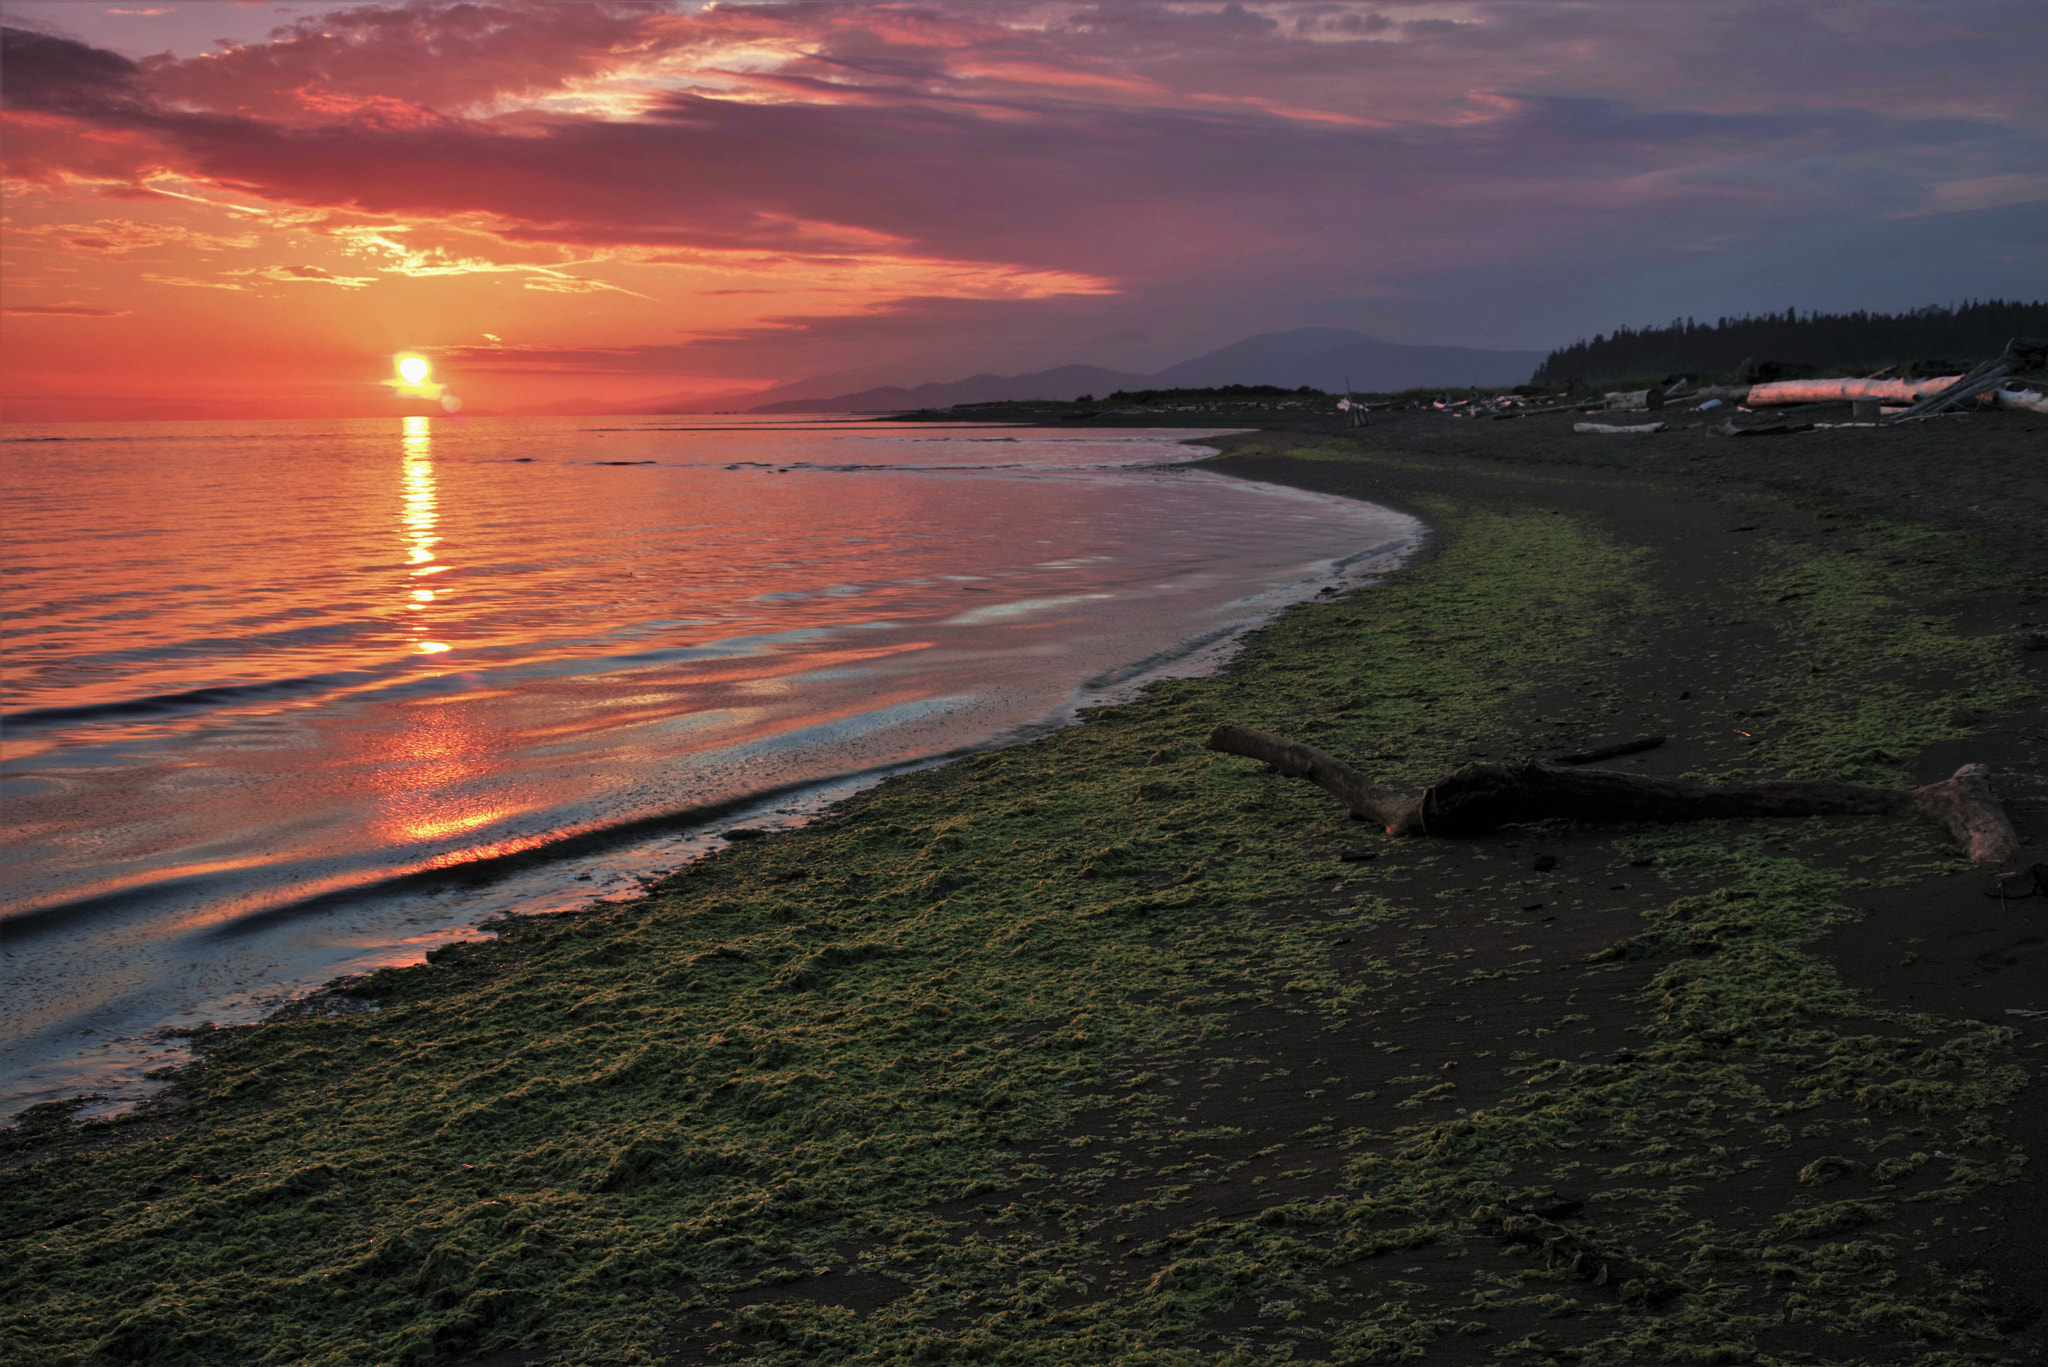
x=414, y=380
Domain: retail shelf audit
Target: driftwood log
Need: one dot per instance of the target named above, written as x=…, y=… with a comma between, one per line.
x=1483, y=797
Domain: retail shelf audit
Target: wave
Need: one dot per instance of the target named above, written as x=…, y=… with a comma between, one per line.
x=1196, y=645
x=1399, y=543
x=1173, y=654
x=342, y=889
x=190, y=700
x=398, y=679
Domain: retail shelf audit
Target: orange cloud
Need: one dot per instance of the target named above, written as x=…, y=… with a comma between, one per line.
x=118, y=236
x=570, y=284
x=306, y=275
x=187, y=282
x=62, y=311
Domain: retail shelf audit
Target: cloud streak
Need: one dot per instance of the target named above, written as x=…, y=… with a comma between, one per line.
x=61, y=311
x=306, y=275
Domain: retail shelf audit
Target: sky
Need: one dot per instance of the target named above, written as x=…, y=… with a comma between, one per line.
x=235, y=209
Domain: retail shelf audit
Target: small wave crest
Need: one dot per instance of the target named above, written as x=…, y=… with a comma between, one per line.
x=190, y=700
x=302, y=888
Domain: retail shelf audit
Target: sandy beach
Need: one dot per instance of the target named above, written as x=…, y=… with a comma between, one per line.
x=1110, y=1049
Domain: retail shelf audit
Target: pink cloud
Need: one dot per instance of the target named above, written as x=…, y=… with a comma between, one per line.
x=401, y=59
x=949, y=130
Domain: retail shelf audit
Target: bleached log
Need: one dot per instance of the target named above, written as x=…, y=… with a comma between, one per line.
x=1634, y=398
x=1829, y=391
x=2021, y=400
x=1484, y=797
x=1884, y=391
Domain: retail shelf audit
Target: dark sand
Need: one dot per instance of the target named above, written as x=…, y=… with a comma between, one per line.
x=1937, y=945
x=1527, y=944
x=1983, y=472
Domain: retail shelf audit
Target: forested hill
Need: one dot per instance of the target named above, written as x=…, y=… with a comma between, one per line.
x=1824, y=341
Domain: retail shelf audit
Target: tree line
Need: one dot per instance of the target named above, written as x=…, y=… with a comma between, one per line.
x=1210, y=394
x=1792, y=343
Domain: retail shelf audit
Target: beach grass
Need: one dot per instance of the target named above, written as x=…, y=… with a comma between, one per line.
x=926, y=1080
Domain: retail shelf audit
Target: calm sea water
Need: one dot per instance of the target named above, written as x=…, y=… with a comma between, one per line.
x=293, y=699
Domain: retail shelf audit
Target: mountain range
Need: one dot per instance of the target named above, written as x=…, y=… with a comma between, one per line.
x=1330, y=359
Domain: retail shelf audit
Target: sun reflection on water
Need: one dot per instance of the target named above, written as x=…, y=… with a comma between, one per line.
x=421, y=515
x=435, y=754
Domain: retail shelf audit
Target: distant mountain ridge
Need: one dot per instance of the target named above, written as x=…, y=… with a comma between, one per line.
x=1069, y=381
x=1329, y=359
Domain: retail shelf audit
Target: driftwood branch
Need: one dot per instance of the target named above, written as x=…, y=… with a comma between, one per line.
x=1984, y=379
x=1483, y=797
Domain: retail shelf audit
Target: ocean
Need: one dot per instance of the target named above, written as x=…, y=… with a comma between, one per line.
x=291, y=700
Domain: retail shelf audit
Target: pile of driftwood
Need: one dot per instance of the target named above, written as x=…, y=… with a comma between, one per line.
x=1484, y=797
x=1995, y=383
x=1512, y=405
x=1882, y=398
x=1878, y=400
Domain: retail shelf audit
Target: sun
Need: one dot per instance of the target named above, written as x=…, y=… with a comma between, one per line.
x=413, y=378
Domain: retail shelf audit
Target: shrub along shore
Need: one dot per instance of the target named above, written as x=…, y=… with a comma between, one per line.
x=1108, y=1049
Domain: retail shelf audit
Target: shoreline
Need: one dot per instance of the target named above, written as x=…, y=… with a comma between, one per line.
x=955, y=1042
x=614, y=852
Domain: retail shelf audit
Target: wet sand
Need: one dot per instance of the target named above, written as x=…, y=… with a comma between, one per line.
x=1107, y=1049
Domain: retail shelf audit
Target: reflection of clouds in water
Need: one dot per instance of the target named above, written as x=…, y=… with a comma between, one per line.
x=998, y=612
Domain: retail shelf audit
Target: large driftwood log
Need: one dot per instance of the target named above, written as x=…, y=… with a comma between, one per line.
x=1483, y=797
x=1835, y=391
